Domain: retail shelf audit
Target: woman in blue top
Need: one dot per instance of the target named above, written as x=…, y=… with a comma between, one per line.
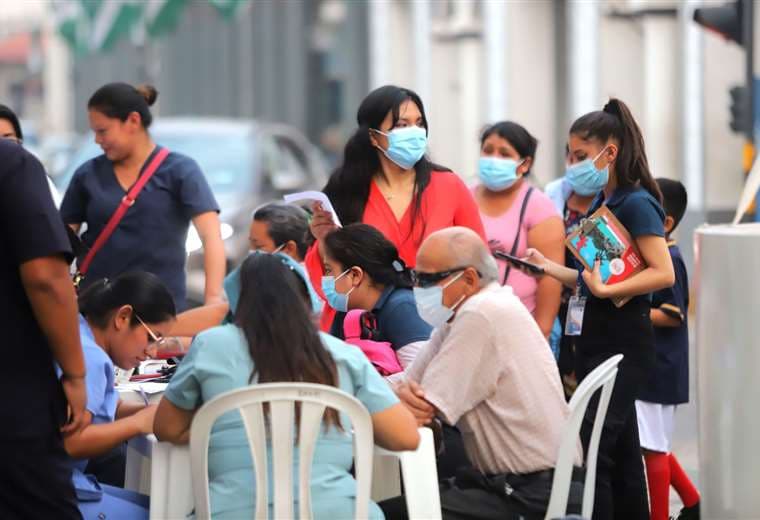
x=363, y=271
x=273, y=339
x=607, y=148
x=121, y=322
x=151, y=236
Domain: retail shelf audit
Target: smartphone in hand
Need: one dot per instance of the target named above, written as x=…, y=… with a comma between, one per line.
x=519, y=263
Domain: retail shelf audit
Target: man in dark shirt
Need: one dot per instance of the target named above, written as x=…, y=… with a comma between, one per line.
x=38, y=319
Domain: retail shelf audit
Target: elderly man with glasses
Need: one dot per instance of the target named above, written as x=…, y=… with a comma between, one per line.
x=488, y=370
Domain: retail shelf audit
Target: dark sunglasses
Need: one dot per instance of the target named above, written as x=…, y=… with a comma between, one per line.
x=429, y=279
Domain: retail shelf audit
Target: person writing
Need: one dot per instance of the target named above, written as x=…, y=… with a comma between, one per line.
x=122, y=322
x=39, y=323
x=517, y=216
x=386, y=181
x=608, y=145
x=151, y=235
x=273, y=339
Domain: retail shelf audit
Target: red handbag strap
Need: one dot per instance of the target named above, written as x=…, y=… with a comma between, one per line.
x=126, y=202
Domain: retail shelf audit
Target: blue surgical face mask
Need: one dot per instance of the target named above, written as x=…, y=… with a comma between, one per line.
x=430, y=305
x=406, y=146
x=498, y=174
x=585, y=178
x=336, y=300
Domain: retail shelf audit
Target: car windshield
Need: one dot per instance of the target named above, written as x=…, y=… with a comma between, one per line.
x=225, y=159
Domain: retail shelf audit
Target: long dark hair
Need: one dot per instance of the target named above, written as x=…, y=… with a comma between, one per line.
x=274, y=315
x=144, y=292
x=520, y=139
x=631, y=165
x=118, y=100
x=349, y=185
x=364, y=246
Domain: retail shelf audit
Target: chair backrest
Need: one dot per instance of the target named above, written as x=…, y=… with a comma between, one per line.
x=602, y=377
x=281, y=399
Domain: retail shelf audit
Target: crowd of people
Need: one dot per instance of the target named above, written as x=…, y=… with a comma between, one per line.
x=412, y=305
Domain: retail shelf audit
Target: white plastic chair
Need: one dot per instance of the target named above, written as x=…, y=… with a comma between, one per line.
x=420, y=473
x=602, y=377
x=281, y=398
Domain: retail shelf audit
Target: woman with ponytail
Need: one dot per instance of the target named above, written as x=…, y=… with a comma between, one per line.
x=151, y=235
x=606, y=152
x=272, y=339
x=363, y=271
x=122, y=322
x=387, y=181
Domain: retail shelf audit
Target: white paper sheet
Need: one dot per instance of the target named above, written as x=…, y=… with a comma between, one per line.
x=751, y=185
x=148, y=387
x=312, y=196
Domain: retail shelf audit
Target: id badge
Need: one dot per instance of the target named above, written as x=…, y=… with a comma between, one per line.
x=575, y=309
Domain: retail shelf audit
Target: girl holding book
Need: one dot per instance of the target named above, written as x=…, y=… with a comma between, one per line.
x=607, y=149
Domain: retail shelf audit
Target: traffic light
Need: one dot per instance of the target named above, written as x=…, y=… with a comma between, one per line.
x=726, y=20
x=741, y=107
x=734, y=21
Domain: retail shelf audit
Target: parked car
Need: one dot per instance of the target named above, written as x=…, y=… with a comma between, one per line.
x=246, y=163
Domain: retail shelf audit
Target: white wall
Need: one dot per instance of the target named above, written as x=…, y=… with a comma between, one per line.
x=531, y=99
x=724, y=67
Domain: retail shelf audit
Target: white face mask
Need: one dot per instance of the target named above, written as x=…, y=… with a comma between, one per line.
x=430, y=305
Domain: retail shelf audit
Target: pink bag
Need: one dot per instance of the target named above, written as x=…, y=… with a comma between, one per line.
x=359, y=329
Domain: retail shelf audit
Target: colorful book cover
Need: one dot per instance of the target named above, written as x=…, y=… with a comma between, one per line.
x=603, y=237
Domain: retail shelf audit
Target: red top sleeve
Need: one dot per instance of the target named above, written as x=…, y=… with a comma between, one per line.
x=467, y=213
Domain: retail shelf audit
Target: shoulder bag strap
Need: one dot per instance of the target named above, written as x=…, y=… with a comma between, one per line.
x=519, y=230
x=126, y=202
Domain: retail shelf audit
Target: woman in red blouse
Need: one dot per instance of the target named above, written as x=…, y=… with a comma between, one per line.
x=386, y=181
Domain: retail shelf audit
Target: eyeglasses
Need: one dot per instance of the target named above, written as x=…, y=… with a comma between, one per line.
x=429, y=279
x=160, y=341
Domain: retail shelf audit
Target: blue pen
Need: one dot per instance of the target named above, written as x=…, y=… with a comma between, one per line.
x=143, y=395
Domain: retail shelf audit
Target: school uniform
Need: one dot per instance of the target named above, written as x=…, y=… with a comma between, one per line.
x=608, y=330
x=151, y=236
x=35, y=480
x=668, y=385
x=397, y=319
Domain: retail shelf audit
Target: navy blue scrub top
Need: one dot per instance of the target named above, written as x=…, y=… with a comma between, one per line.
x=670, y=381
x=151, y=236
x=638, y=211
x=33, y=404
x=397, y=319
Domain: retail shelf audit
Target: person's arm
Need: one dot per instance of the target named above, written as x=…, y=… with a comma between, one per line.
x=97, y=439
x=172, y=423
x=125, y=409
x=51, y=294
x=395, y=429
x=659, y=273
x=549, y=238
x=193, y=321
x=662, y=319
x=567, y=276
x=214, y=262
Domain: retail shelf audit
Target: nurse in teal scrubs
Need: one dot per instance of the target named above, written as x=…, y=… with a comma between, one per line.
x=273, y=338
